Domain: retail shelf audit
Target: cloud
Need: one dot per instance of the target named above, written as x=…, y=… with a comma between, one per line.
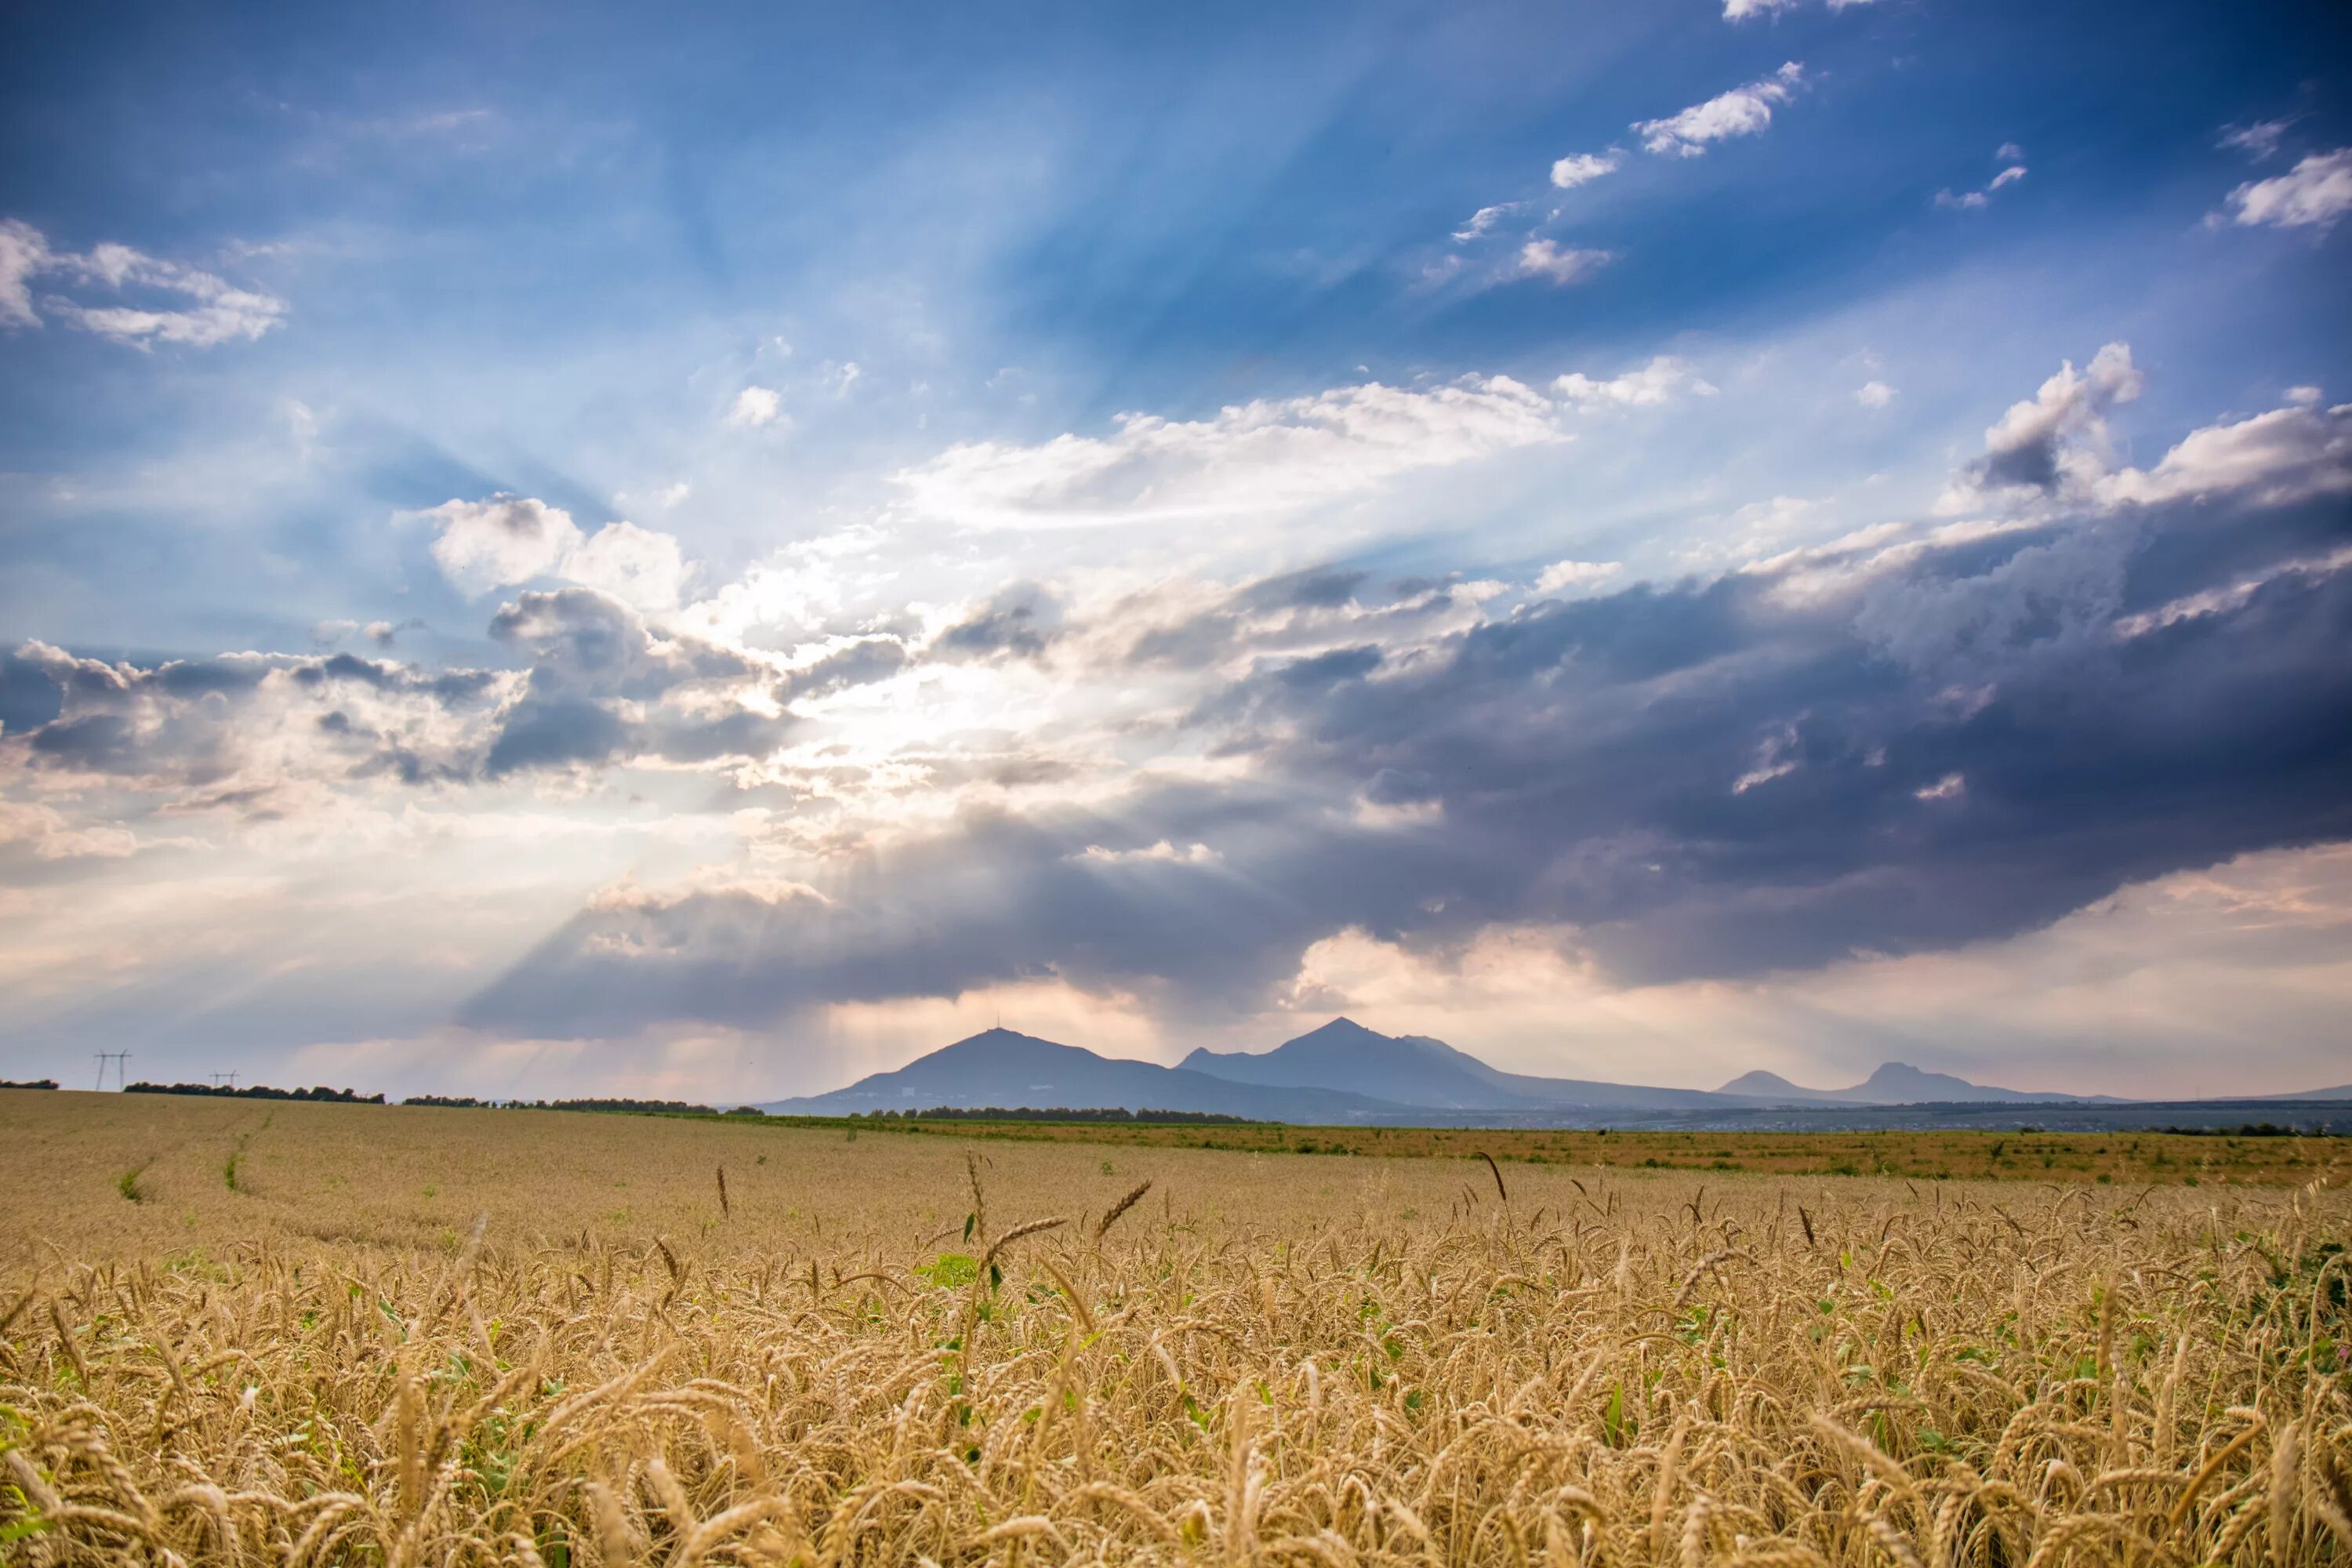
x=2285, y=455
x=1545, y=258
x=487, y=544
x=603, y=687
x=1654, y=385
x=1741, y=10
x=755, y=406
x=1977, y=201
x=384, y=634
x=1582, y=168
x=636, y=565
x=1484, y=220
x=2313, y=195
x=1019, y=621
x=23, y=253
x=1161, y=851
x=245, y=731
x=1177, y=790
x=1270, y=456
x=508, y=540
x=2257, y=141
x=1902, y=746
x=1742, y=112
x=2059, y=436
x=1874, y=394
x=2056, y=447
x=1904, y=742
x=217, y=311
x=45, y=835
x=1563, y=576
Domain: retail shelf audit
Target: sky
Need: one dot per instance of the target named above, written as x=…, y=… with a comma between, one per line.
x=707, y=550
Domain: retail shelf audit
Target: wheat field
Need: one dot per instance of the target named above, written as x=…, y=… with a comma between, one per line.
x=337, y=1334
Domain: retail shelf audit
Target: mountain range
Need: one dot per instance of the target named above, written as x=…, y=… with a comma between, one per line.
x=1899, y=1083
x=1345, y=1073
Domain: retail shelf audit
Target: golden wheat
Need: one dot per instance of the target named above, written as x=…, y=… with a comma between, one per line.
x=430, y=1338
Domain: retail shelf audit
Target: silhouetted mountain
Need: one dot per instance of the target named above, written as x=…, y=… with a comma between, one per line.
x=1001, y=1068
x=1898, y=1083
x=2341, y=1091
x=1344, y=1072
x=1779, y=1091
x=1416, y=1070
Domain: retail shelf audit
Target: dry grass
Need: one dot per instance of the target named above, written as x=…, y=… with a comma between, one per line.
x=2118, y=1156
x=1267, y=1358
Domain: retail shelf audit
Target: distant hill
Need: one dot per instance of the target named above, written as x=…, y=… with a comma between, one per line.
x=1779, y=1091
x=1899, y=1083
x=1344, y=1073
x=1416, y=1070
x=1001, y=1066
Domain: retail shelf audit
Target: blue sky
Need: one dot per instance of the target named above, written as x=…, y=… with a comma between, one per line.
x=577, y=548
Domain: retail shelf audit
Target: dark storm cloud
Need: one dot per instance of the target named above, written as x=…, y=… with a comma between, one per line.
x=193, y=724
x=591, y=656
x=599, y=687
x=29, y=695
x=1323, y=588
x=1294, y=609
x=860, y=664
x=1890, y=750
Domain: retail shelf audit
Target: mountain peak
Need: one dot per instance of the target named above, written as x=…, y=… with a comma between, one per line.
x=998, y=1036
x=1339, y=1028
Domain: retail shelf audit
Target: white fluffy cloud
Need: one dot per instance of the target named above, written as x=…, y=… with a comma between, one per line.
x=49, y=836
x=213, y=310
x=2313, y=195
x=2056, y=445
x=1741, y=10
x=1874, y=395
x=487, y=544
x=2287, y=454
x=1269, y=456
x=507, y=540
x=1484, y=219
x=636, y=565
x=24, y=252
x=1582, y=168
x=1657, y=383
x=1742, y=112
x=2058, y=439
x=1563, y=576
x=1547, y=259
x=754, y=407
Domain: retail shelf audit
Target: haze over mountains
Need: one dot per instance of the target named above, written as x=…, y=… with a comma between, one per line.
x=1898, y=1083
x=1344, y=1072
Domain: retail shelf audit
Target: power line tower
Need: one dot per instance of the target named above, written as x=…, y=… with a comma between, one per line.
x=229, y=1076
x=121, y=1068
